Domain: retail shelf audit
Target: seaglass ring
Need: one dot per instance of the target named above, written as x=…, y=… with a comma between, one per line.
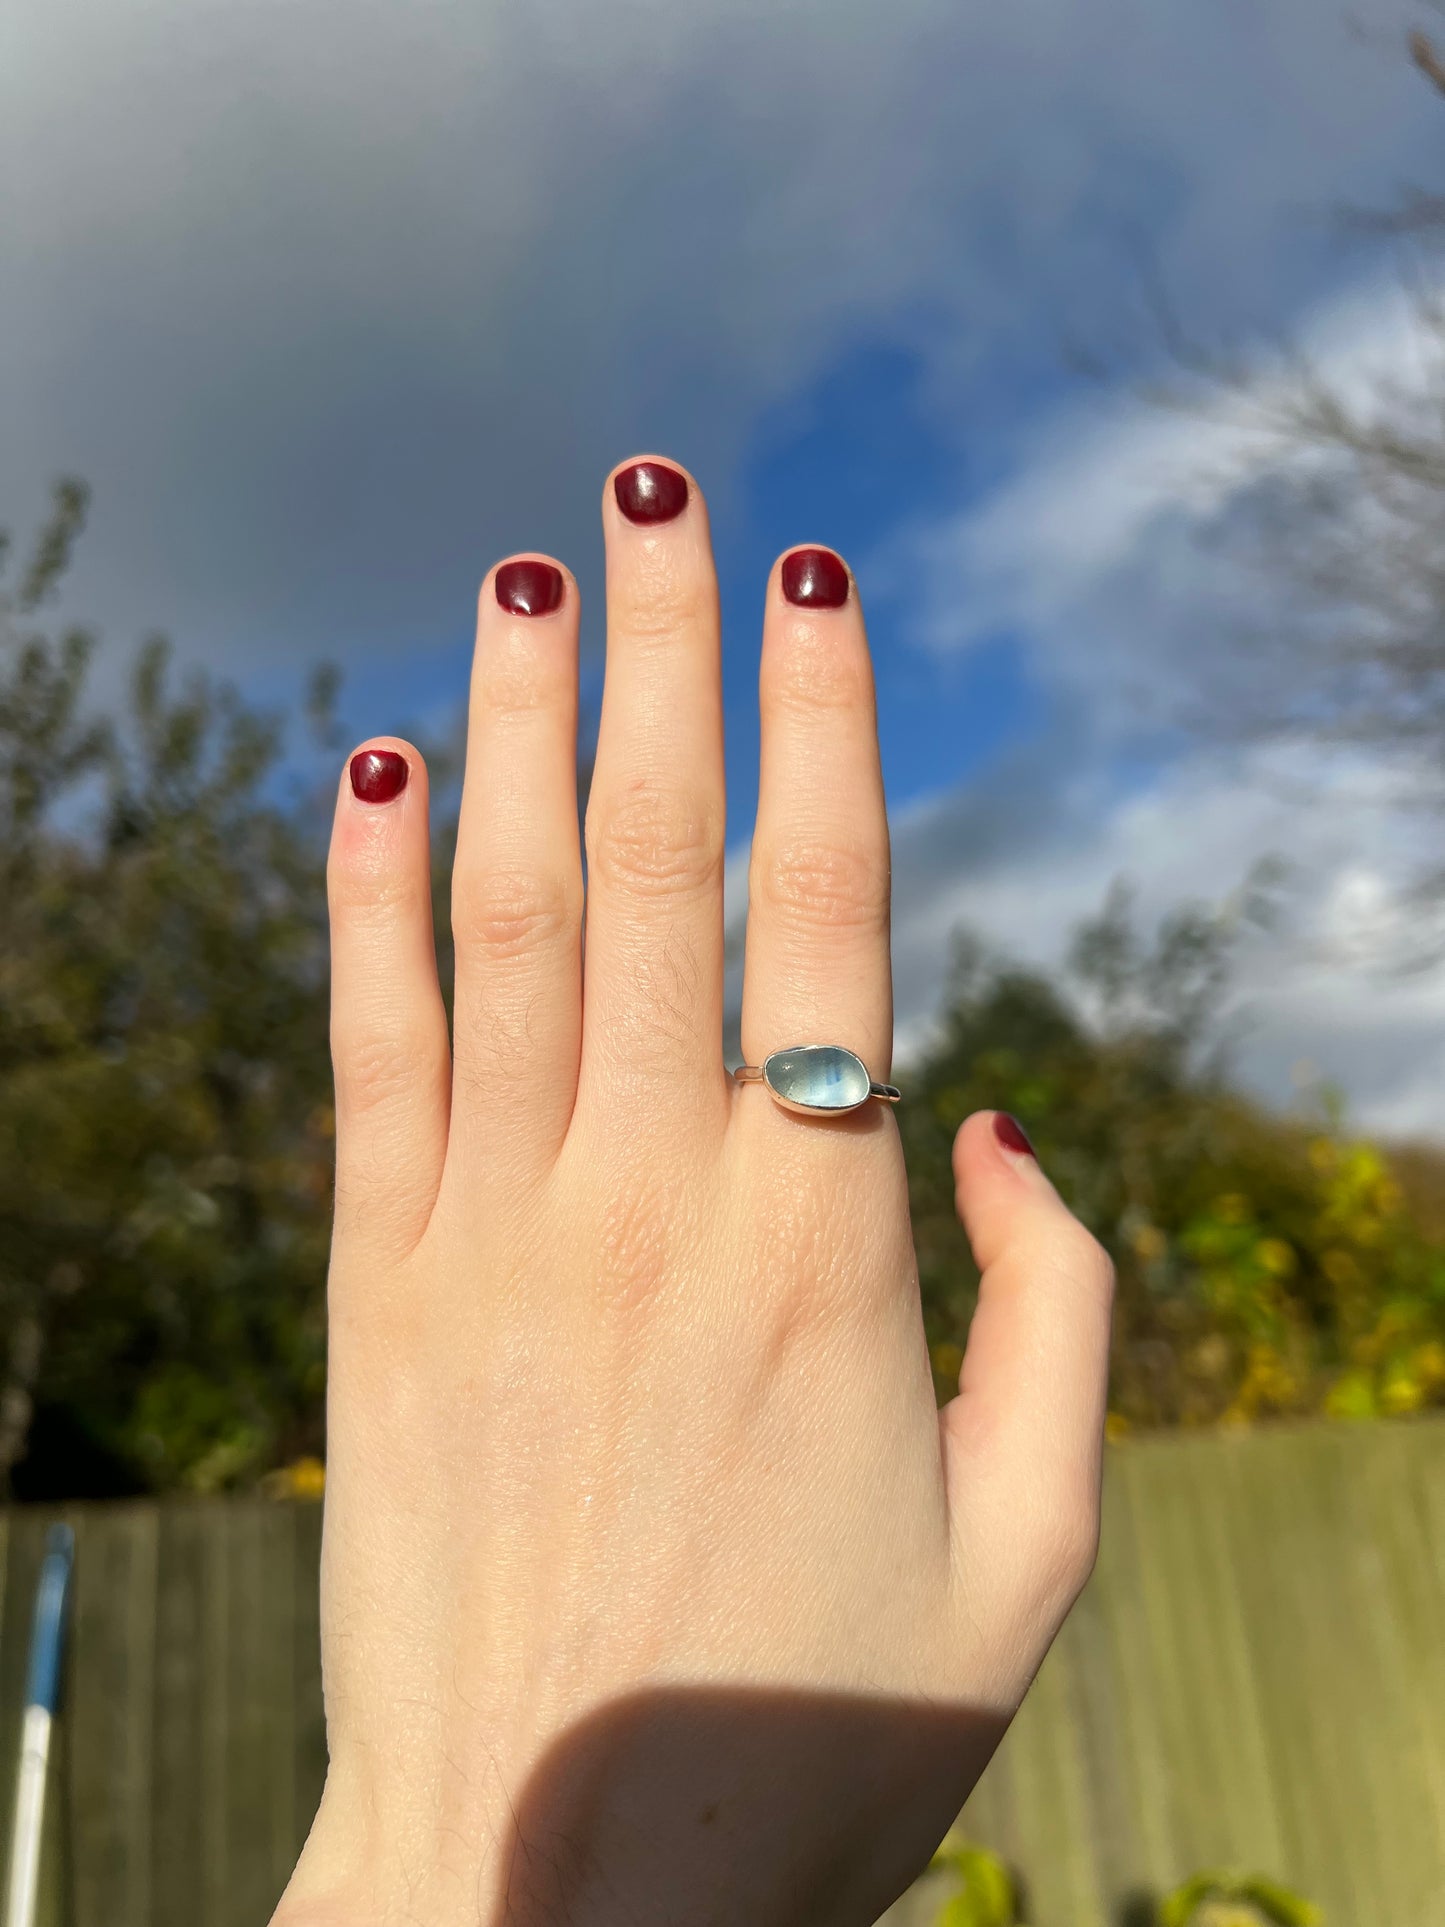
x=817, y=1080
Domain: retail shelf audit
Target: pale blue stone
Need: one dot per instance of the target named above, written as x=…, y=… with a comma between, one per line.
x=817, y=1077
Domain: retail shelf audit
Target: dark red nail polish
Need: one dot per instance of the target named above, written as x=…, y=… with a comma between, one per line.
x=529, y=588
x=1012, y=1135
x=378, y=775
x=815, y=579
x=650, y=492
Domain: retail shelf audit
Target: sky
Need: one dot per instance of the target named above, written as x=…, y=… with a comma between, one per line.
x=335, y=305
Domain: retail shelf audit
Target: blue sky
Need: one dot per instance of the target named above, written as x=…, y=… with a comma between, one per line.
x=334, y=305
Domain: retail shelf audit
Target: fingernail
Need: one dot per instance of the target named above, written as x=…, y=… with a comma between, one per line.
x=529, y=588
x=650, y=492
x=815, y=579
x=1012, y=1135
x=378, y=775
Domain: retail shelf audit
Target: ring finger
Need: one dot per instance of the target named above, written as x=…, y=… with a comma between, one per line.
x=817, y=968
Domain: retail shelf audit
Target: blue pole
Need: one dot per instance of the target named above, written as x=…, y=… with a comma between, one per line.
x=42, y=1695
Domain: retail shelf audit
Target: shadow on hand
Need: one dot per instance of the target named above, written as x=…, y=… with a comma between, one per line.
x=740, y=1808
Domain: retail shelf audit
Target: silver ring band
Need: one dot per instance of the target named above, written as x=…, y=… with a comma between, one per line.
x=817, y=1080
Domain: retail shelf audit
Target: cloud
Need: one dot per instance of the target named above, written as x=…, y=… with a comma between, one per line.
x=334, y=303
x=1093, y=555
x=1022, y=856
x=1098, y=549
x=1323, y=989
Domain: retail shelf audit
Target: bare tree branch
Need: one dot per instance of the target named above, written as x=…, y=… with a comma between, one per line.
x=1428, y=59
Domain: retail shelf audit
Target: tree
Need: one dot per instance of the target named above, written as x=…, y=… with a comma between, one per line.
x=165, y=1115
x=1337, y=510
x=1266, y=1265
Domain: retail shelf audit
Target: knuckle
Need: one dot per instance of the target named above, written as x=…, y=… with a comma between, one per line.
x=654, y=623
x=509, y=913
x=665, y=602
x=1089, y=1263
x=823, y=885
x=380, y=1069
x=814, y=676
x=1073, y=1259
x=655, y=841
x=516, y=681
x=366, y=888
x=1066, y=1552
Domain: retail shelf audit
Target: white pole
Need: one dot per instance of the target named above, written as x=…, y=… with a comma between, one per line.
x=41, y=1696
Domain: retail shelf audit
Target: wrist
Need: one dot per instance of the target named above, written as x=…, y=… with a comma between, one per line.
x=384, y=1851
x=754, y=1809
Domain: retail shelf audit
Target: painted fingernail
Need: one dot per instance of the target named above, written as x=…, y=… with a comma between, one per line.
x=529, y=588
x=378, y=775
x=650, y=492
x=1012, y=1135
x=815, y=579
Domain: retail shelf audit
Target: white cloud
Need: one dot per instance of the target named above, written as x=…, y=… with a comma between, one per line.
x=1323, y=988
x=1092, y=549
x=1023, y=857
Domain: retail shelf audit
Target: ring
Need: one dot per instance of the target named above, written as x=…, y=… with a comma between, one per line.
x=817, y=1080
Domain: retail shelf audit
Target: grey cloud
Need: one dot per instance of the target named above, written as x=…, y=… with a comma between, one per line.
x=334, y=303
x=1031, y=819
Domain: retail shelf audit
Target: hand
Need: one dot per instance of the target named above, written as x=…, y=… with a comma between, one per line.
x=655, y=1588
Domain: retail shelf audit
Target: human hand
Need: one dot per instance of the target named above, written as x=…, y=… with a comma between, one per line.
x=654, y=1586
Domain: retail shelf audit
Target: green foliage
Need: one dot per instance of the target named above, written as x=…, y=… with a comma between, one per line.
x=1267, y=1265
x=1226, y=1900
x=985, y=1894
x=165, y=1125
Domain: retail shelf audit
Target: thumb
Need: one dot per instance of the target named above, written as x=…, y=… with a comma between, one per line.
x=1023, y=1440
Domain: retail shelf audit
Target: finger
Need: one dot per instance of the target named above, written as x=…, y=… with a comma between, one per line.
x=1024, y=1438
x=817, y=966
x=388, y=1025
x=655, y=815
x=517, y=875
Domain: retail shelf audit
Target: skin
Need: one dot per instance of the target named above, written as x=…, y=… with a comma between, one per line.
x=655, y=1588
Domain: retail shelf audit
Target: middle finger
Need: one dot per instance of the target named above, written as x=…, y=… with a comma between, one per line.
x=652, y=1019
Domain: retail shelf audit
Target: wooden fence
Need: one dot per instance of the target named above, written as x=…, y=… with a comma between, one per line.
x=1255, y=1678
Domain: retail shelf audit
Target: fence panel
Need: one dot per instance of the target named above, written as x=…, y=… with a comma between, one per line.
x=1254, y=1678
